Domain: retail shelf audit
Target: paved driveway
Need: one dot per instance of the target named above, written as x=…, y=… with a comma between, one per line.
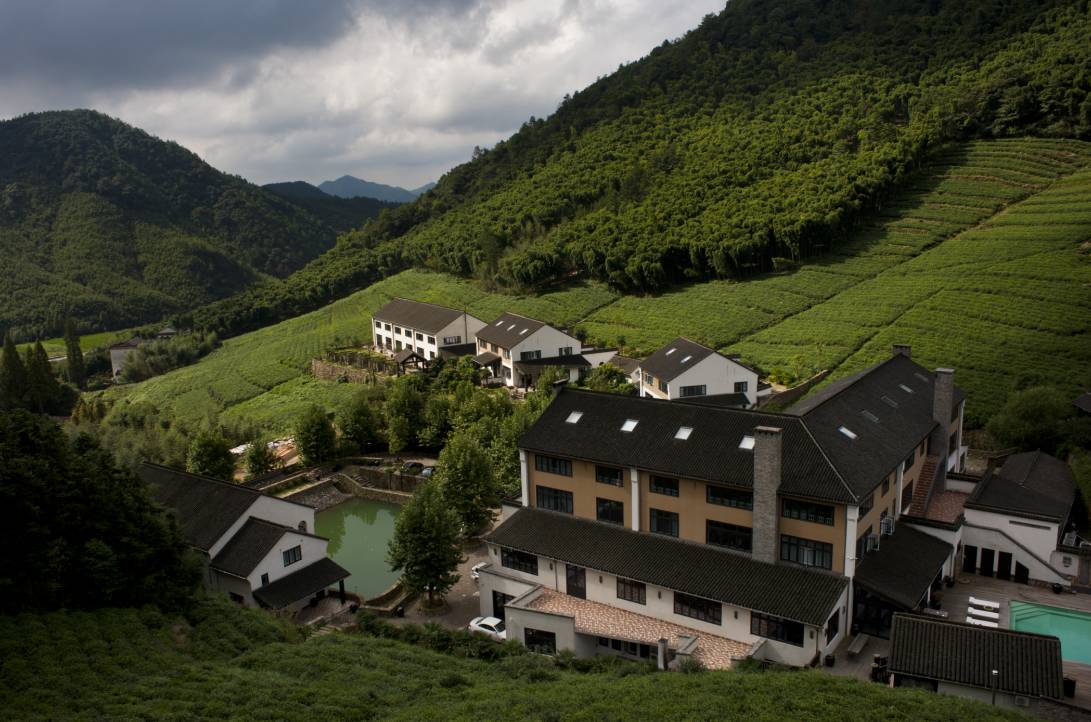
x=463, y=601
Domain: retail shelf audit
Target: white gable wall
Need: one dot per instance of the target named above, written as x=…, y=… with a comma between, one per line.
x=313, y=549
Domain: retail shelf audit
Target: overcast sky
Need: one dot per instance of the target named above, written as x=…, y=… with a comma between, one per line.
x=396, y=92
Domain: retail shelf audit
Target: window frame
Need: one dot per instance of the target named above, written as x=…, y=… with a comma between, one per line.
x=808, y=511
x=555, y=465
x=292, y=556
x=687, y=392
x=699, y=608
x=778, y=629
x=519, y=561
x=601, y=503
x=742, y=387
x=737, y=499
x=599, y=476
x=655, y=514
x=634, y=591
x=670, y=489
x=730, y=529
x=800, y=545
x=560, y=500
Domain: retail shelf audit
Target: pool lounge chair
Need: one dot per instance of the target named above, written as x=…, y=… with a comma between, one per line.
x=981, y=623
x=981, y=613
x=984, y=604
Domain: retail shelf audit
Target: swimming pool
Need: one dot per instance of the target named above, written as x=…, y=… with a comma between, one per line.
x=1072, y=627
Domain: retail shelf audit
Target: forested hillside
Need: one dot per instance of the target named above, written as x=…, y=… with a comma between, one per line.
x=758, y=139
x=103, y=222
x=340, y=214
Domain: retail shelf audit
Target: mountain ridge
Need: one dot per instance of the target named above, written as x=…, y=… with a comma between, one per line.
x=348, y=186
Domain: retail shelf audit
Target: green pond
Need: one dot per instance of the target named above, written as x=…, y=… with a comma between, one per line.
x=358, y=530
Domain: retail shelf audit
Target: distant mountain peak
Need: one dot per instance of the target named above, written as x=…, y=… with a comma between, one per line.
x=348, y=186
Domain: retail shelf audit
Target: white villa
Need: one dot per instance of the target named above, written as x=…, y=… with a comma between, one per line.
x=517, y=349
x=684, y=369
x=429, y=330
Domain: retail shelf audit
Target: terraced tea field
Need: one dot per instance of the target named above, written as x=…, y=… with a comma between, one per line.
x=982, y=262
x=262, y=377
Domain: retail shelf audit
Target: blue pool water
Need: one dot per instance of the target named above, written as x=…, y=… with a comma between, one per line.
x=1072, y=627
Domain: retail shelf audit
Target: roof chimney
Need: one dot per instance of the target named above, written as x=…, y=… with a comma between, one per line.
x=767, y=464
x=902, y=349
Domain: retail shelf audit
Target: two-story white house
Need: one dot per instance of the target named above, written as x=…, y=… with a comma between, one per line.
x=428, y=329
x=685, y=369
x=515, y=348
x=256, y=548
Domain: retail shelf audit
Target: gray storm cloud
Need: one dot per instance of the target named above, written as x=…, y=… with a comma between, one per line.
x=280, y=89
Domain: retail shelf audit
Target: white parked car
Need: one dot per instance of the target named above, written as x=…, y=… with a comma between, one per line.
x=475, y=570
x=489, y=626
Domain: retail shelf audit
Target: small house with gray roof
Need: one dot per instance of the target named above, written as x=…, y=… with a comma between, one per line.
x=256, y=548
x=427, y=329
x=516, y=349
x=685, y=369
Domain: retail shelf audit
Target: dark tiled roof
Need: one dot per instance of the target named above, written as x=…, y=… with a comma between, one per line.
x=1083, y=402
x=407, y=353
x=696, y=569
x=1028, y=664
x=248, y=547
x=571, y=360
x=486, y=358
x=457, y=350
x=205, y=508
x=730, y=401
x=904, y=566
x=862, y=403
x=1032, y=484
x=626, y=364
x=417, y=314
x=710, y=453
x=509, y=329
x=300, y=584
x=676, y=357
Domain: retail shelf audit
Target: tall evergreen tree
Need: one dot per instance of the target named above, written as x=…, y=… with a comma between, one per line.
x=77, y=371
x=44, y=393
x=13, y=378
x=425, y=546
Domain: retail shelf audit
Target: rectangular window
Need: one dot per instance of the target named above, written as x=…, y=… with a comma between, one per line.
x=807, y=552
x=483, y=344
x=397, y=329
x=564, y=351
x=610, y=511
x=432, y=340
x=727, y=535
x=493, y=347
x=293, y=555
x=696, y=608
x=554, y=499
x=688, y=391
x=398, y=345
x=386, y=326
x=264, y=579
x=776, y=628
x=886, y=486
x=631, y=591
x=663, y=485
x=808, y=511
x=741, y=387
x=608, y=475
x=662, y=385
x=529, y=355
x=867, y=504
x=451, y=340
x=908, y=463
x=861, y=543
x=663, y=522
x=519, y=561
x=507, y=354
x=420, y=336
x=538, y=641
x=553, y=465
x=379, y=325
x=724, y=496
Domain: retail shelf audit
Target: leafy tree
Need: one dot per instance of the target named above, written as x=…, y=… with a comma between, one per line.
x=86, y=532
x=77, y=373
x=1034, y=418
x=435, y=422
x=426, y=547
x=465, y=475
x=210, y=455
x=315, y=436
x=259, y=458
x=403, y=411
x=359, y=426
x=13, y=378
x=609, y=378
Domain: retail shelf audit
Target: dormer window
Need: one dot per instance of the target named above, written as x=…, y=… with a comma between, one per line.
x=523, y=331
x=687, y=358
x=683, y=432
x=574, y=417
x=511, y=327
x=747, y=443
x=629, y=425
x=670, y=351
x=847, y=432
x=498, y=323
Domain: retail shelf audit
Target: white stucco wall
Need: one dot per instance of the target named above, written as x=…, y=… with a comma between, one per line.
x=719, y=374
x=1040, y=537
x=312, y=549
x=991, y=539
